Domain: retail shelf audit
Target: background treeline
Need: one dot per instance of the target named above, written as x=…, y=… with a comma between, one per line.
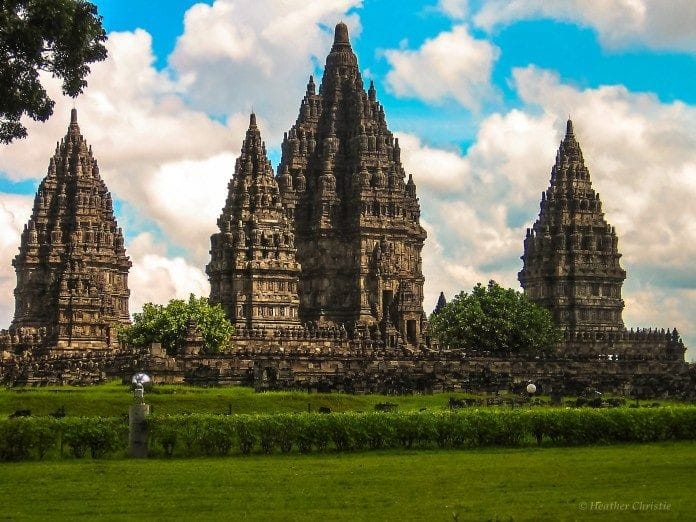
x=218, y=435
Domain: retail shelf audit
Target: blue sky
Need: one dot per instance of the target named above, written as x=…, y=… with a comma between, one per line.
x=477, y=91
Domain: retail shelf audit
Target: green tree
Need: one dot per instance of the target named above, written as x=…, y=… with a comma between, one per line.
x=498, y=320
x=168, y=325
x=61, y=37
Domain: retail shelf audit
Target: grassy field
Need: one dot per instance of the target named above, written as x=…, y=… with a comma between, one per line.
x=628, y=481
x=112, y=399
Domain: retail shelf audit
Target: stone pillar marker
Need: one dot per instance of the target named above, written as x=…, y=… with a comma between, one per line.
x=137, y=418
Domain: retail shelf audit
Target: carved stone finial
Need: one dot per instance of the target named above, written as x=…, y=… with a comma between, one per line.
x=569, y=128
x=341, y=34
x=372, y=92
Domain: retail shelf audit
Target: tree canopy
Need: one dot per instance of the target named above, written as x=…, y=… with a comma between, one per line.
x=61, y=37
x=168, y=325
x=496, y=320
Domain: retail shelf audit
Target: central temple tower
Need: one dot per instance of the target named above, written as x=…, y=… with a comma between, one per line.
x=359, y=238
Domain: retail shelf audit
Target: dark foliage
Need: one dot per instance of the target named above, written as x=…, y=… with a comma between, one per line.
x=495, y=320
x=60, y=37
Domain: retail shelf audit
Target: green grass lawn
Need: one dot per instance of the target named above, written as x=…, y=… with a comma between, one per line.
x=487, y=484
x=112, y=399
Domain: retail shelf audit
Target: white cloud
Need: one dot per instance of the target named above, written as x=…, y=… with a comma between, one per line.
x=655, y=24
x=196, y=192
x=14, y=214
x=134, y=117
x=457, y=9
x=467, y=201
x=438, y=169
x=157, y=278
x=453, y=65
x=235, y=55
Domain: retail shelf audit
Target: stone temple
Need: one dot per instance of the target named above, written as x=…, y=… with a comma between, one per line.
x=72, y=269
x=353, y=215
x=572, y=267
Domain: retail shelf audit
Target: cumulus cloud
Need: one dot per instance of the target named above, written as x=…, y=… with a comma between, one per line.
x=457, y=9
x=235, y=55
x=133, y=115
x=196, y=194
x=157, y=278
x=453, y=65
x=476, y=205
x=619, y=23
x=440, y=170
x=14, y=214
x=168, y=161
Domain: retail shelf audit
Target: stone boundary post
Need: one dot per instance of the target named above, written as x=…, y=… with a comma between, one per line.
x=137, y=430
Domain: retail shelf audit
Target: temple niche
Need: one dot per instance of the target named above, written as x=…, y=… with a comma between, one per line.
x=72, y=269
x=571, y=266
x=253, y=272
x=355, y=215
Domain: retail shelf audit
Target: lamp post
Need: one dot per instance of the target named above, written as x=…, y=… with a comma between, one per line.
x=137, y=415
x=531, y=390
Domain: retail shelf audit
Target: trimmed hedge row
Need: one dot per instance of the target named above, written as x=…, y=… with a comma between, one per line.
x=211, y=435
x=214, y=435
x=38, y=437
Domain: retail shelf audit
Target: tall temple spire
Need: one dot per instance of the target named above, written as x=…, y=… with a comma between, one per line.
x=348, y=190
x=571, y=258
x=252, y=270
x=72, y=269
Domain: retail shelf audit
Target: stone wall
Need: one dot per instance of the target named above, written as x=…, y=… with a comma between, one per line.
x=325, y=361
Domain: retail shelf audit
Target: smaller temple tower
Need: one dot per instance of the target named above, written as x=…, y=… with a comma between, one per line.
x=72, y=269
x=571, y=257
x=253, y=272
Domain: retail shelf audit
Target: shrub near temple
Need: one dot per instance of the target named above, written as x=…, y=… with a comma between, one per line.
x=168, y=325
x=496, y=320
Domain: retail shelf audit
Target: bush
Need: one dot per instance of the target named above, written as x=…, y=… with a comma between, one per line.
x=101, y=436
x=377, y=429
x=218, y=435
x=22, y=438
x=16, y=439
